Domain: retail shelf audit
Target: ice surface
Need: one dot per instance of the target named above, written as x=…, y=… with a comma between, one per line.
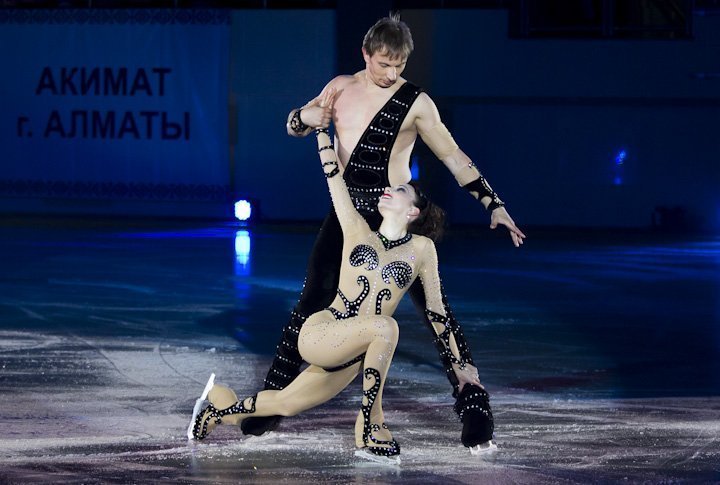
x=122, y=414
x=602, y=363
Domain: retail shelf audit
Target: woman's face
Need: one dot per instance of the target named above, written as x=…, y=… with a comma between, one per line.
x=400, y=200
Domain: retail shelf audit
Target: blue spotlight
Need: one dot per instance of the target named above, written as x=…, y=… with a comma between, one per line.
x=243, y=210
x=620, y=157
x=618, y=167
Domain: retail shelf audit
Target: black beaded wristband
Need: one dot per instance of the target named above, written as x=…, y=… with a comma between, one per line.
x=495, y=205
x=296, y=123
x=484, y=190
x=332, y=172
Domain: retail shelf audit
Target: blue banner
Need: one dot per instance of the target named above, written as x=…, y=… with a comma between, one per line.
x=115, y=104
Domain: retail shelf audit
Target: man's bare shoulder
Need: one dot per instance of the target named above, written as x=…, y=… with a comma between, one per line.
x=424, y=101
x=424, y=109
x=341, y=81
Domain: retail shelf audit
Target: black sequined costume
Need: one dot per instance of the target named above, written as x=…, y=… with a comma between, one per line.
x=366, y=176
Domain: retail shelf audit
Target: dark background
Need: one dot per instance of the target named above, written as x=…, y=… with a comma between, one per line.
x=580, y=113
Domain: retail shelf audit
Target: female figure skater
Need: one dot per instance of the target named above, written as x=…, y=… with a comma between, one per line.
x=357, y=329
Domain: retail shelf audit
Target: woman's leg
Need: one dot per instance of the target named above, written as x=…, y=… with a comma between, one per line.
x=311, y=388
x=319, y=289
x=327, y=342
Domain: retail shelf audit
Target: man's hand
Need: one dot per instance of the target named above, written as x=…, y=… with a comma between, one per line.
x=501, y=216
x=468, y=375
x=318, y=114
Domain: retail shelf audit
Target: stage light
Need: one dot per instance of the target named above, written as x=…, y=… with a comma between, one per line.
x=620, y=157
x=618, y=168
x=243, y=210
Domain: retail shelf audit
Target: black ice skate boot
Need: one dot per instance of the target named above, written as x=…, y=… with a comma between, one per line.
x=473, y=407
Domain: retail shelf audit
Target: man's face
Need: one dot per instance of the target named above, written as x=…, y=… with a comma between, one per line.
x=382, y=70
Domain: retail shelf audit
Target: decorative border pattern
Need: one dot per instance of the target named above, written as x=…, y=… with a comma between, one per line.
x=95, y=16
x=113, y=190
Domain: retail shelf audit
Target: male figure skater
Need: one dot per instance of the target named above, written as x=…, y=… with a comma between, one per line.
x=377, y=116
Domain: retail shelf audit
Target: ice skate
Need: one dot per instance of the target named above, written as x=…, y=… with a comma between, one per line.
x=198, y=405
x=365, y=454
x=224, y=408
x=486, y=448
x=473, y=407
x=379, y=450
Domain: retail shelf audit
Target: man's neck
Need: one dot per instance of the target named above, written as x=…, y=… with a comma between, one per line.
x=373, y=89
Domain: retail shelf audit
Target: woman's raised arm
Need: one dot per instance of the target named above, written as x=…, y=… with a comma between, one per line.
x=350, y=219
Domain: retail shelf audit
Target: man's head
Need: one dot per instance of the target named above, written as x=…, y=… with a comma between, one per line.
x=390, y=36
x=386, y=48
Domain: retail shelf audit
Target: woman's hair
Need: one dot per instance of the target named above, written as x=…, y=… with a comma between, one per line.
x=390, y=36
x=431, y=220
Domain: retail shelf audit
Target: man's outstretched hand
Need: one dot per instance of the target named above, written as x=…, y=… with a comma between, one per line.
x=501, y=216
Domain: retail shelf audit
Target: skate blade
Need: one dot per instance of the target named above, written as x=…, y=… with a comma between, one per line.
x=383, y=460
x=198, y=405
x=483, y=448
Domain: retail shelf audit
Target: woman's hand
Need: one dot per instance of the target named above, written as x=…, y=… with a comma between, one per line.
x=319, y=113
x=468, y=375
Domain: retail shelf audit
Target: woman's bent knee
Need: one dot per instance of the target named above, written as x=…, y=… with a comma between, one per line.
x=390, y=327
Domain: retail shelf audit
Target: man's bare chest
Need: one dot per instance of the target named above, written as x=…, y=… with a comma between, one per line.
x=354, y=113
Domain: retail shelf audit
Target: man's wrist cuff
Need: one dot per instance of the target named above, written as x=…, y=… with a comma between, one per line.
x=494, y=205
x=483, y=189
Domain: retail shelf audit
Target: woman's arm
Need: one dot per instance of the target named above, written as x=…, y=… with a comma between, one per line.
x=350, y=220
x=449, y=340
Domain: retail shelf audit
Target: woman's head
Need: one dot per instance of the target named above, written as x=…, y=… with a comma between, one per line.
x=408, y=201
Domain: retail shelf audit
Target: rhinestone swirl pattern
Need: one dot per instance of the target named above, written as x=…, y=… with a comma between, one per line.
x=400, y=271
x=363, y=254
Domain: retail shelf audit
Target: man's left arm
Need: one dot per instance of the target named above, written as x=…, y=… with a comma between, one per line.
x=437, y=137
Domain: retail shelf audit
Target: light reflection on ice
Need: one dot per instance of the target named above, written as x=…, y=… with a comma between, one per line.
x=242, y=253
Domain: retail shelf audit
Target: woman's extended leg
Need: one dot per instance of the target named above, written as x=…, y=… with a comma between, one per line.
x=312, y=387
x=327, y=344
